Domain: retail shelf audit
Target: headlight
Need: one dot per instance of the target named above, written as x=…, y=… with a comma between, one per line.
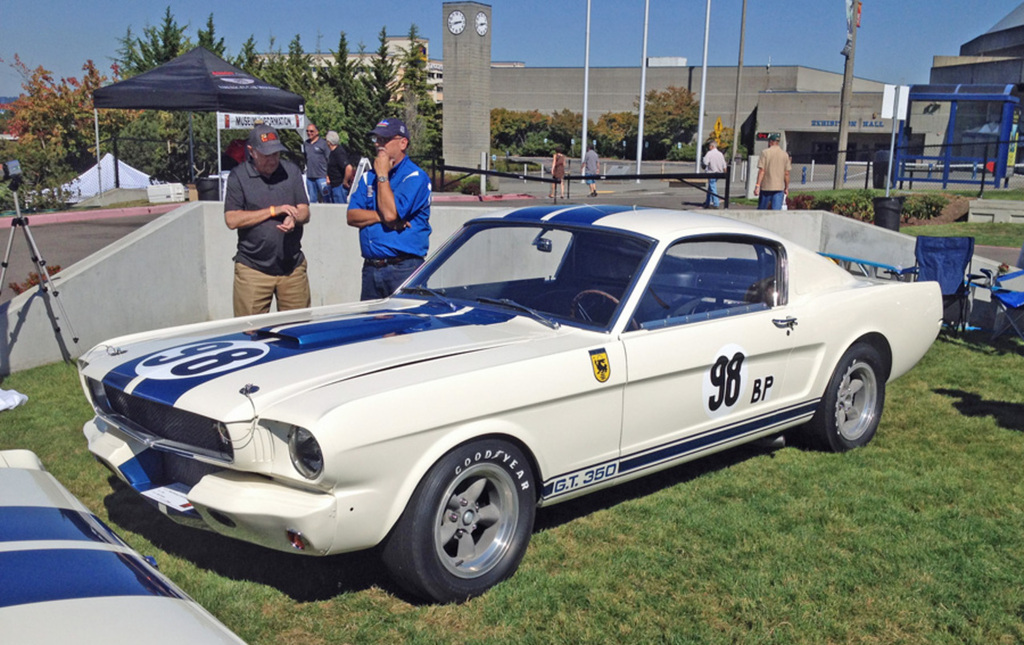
x=305, y=452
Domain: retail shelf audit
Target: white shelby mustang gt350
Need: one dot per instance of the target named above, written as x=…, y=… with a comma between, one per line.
x=541, y=354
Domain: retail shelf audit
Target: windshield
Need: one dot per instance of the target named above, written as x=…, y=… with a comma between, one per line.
x=563, y=275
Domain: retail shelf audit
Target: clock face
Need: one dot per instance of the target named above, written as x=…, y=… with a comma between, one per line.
x=481, y=23
x=456, y=22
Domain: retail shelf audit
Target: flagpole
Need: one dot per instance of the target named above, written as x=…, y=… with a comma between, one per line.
x=703, y=86
x=643, y=94
x=586, y=87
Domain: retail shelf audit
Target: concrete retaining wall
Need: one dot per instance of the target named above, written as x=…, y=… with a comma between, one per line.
x=996, y=210
x=178, y=269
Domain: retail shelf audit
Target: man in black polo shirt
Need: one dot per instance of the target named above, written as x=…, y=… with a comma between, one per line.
x=266, y=203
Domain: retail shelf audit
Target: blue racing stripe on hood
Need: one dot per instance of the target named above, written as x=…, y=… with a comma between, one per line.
x=166, y=375
x=63, y=574
x=28, y=523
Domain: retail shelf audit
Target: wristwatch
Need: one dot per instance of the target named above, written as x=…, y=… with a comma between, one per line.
x=382, y=180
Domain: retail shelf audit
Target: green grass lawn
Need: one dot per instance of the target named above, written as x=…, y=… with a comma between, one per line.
x=984, y=233
x=917, y=538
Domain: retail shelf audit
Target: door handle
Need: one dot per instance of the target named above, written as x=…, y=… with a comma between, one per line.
x=787, y=323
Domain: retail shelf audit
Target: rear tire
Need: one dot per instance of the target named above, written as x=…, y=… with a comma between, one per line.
x=468, y=524
x=851, y=407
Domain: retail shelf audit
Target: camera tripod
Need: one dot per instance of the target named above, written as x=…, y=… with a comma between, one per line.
x=45, y=283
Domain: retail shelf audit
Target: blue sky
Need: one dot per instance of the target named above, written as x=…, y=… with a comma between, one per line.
x=895, y=44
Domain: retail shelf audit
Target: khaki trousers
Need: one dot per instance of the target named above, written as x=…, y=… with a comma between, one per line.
x=254, y=290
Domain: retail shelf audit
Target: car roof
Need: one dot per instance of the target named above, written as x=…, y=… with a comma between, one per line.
x=658, y=223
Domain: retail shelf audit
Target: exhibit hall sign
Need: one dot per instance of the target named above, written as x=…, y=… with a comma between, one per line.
x=228, y=121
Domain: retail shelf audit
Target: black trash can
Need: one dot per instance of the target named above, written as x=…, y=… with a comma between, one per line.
x=887, y=211
x=208, y=189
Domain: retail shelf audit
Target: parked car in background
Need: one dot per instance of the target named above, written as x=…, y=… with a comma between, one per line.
x=65, y=577
x=541, y=354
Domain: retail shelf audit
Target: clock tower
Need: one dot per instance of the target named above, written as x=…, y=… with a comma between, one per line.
x=467, y=82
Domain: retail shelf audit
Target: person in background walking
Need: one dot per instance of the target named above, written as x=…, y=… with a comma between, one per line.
x=590, y=163
x=316, y=152
x=773, y=167
x=714, y=161
x=559, y=164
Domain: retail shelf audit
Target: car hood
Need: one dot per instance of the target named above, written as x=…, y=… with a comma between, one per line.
x=232, y=375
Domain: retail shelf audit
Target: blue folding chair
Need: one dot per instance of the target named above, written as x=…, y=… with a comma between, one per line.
x=1009, y=303
x=947, y=260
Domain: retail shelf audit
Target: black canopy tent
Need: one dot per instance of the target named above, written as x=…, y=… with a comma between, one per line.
x=197, y=81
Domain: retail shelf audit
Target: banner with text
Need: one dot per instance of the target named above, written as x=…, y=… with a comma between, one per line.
x=227, y=121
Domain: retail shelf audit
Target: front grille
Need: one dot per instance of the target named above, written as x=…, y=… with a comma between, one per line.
x=166, y=422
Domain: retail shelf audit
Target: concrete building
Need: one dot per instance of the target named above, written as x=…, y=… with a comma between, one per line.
x=800, y=102
x=995, y=57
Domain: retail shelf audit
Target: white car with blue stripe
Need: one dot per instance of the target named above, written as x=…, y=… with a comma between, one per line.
x=541, y=354
x=67, y=578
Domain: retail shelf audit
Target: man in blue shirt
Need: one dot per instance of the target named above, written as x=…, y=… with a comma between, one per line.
x=391, y=209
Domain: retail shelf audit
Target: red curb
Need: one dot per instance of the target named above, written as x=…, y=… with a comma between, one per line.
x=85, y=216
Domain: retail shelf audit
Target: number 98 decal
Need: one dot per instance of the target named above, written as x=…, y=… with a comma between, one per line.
x=201, y=359
x=726, y=381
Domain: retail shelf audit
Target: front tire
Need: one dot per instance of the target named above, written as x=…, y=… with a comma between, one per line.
x=468, y=524
x=851, y=408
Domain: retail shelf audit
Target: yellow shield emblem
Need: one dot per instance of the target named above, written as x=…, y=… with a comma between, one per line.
x=599, y=361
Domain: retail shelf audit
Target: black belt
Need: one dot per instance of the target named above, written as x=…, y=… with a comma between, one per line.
x=380, y=263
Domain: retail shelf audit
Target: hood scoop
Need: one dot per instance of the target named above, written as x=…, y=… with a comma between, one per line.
x=380, y=324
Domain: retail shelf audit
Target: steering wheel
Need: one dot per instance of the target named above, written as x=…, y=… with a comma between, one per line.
x=575, y=305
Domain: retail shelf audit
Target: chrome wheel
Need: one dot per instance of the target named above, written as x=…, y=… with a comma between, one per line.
x=476, y=520
x=856, y=401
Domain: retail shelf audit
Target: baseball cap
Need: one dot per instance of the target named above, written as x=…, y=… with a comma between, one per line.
x=333, y=138
x=264, y=140
x=774, y=136
x=388, y=128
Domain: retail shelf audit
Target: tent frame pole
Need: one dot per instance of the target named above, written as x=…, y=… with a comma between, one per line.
x=99, y=167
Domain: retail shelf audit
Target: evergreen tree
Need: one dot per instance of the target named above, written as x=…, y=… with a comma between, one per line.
x=342, y=79
x=379, y=82
x=209, y=40
x=156, y=46
x=419, y=111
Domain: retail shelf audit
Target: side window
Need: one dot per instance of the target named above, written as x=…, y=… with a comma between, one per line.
x=711, y=278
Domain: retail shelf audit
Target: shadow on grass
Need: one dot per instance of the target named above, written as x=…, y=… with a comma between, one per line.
x=559, y=514
x=301, y=578
x=1007, y=415
x=312, y=579
x=982, y=341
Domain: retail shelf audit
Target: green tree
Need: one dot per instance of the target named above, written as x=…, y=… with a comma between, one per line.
x=355, y=121
x=156, y=46
x=419, y=111
x=670, y=117
x=248, y=58
x=209, y=40
x=379, y=82
x=53, y=120
x=612, y=130
x=510, y=129
x=564, y=127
